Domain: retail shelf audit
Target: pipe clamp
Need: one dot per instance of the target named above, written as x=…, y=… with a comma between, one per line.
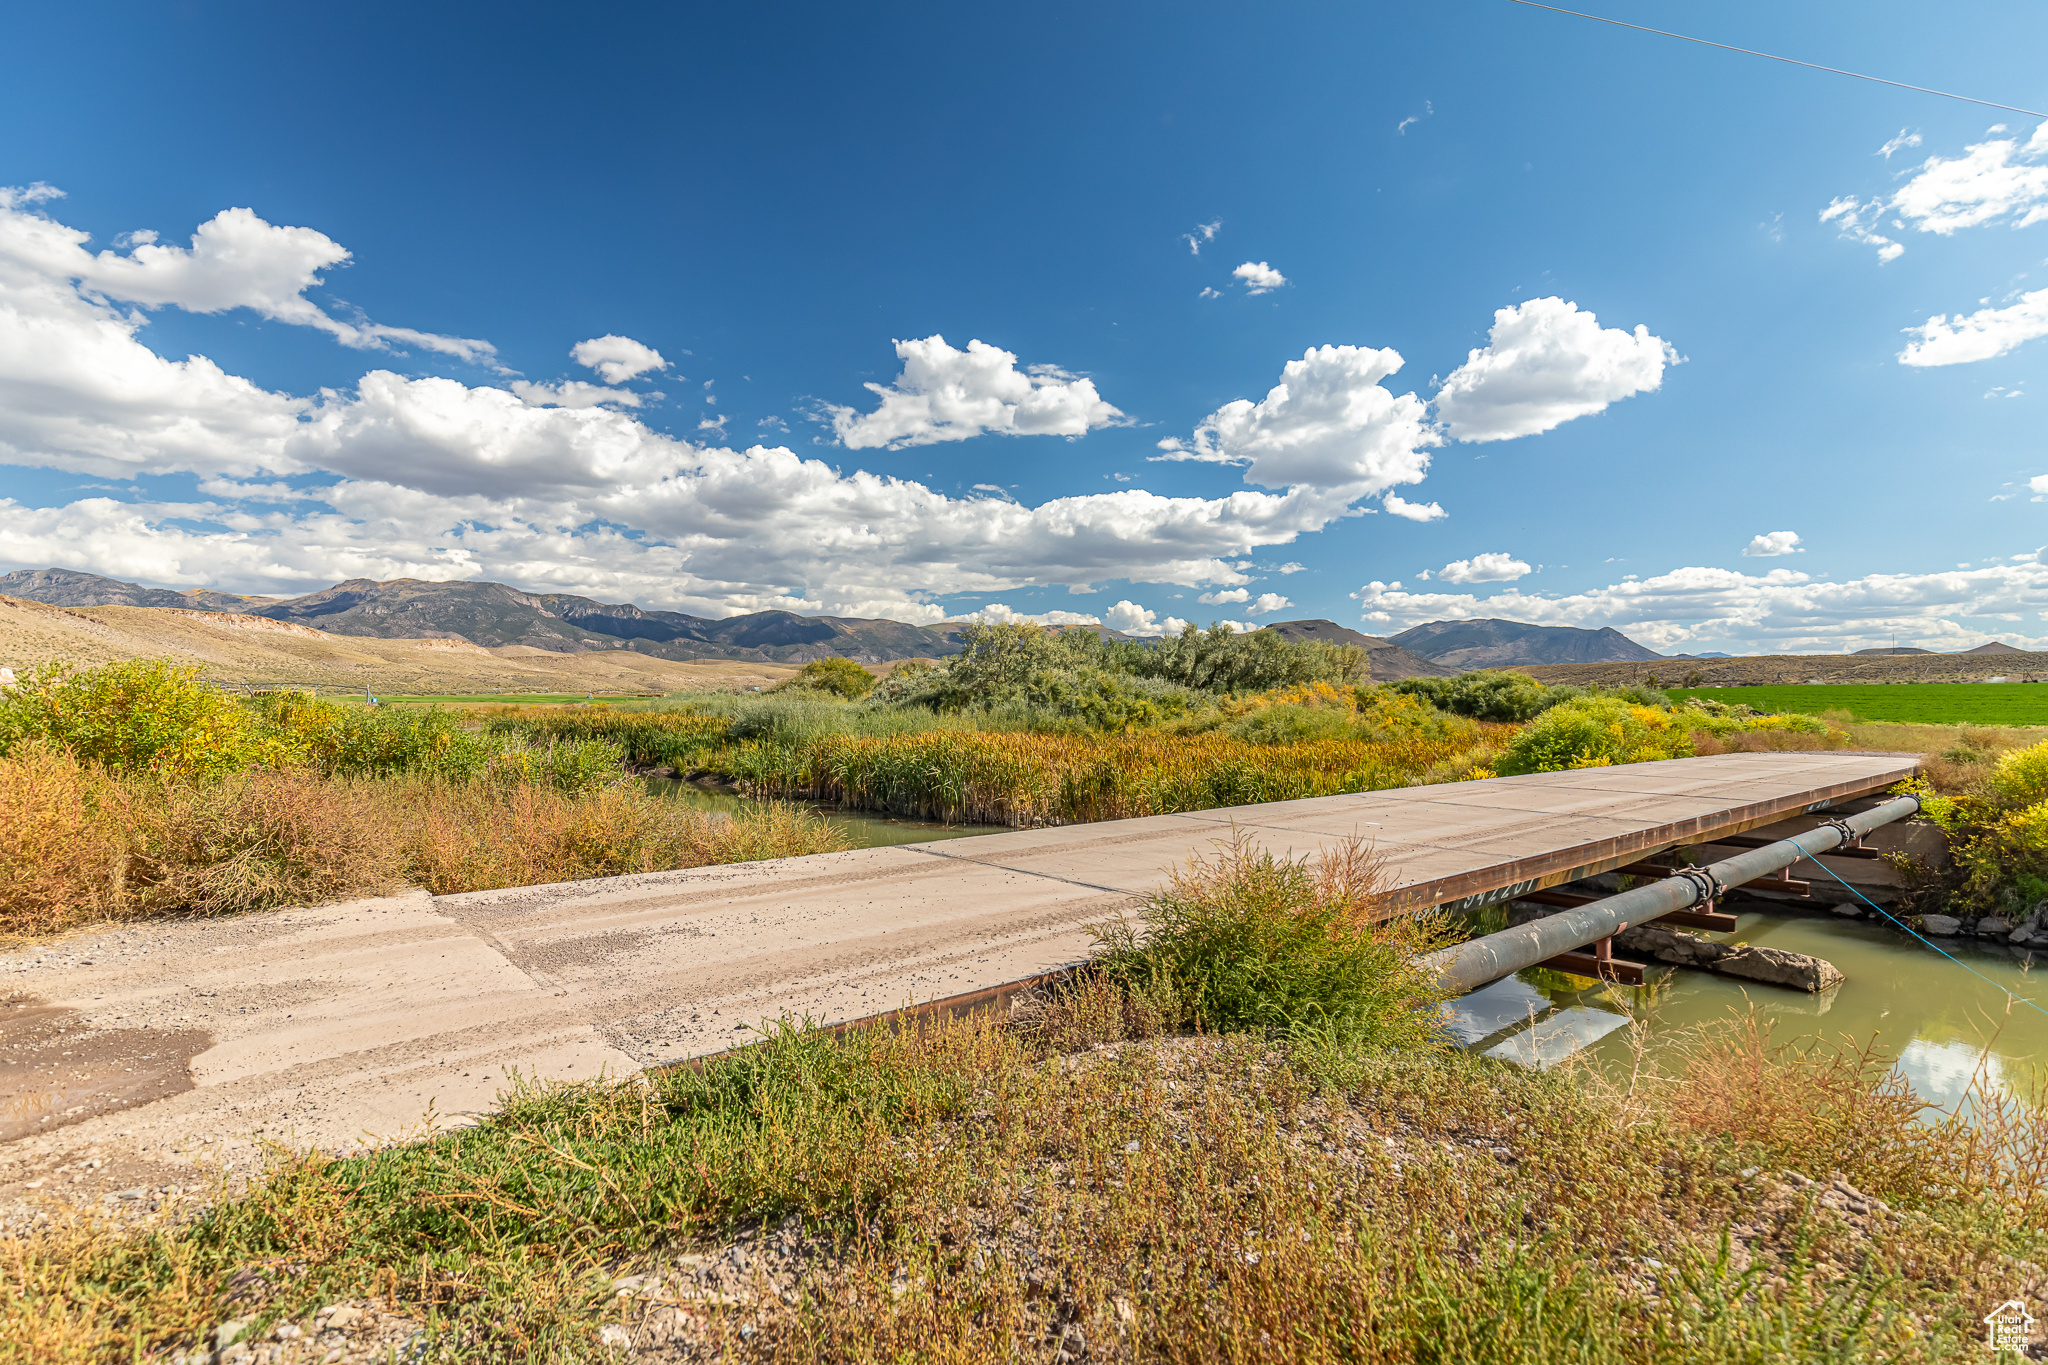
x=1705, y=882
x=1841, y=827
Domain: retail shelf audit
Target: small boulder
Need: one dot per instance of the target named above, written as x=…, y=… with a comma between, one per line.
x=1994, y=926
x=1850, y=909
x=1942, y=925
x=1776, y=967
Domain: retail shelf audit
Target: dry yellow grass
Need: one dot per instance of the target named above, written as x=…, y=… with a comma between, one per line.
x=265, y=653
x=79, y=844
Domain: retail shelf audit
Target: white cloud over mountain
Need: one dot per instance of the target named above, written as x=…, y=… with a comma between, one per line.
x=946, y=394
x=1546, y=362
x=550, y=486
x=1778, y=610
x=1492, y=567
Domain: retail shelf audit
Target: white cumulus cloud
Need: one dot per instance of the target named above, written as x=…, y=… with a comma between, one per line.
x=1258, y=277
x=1328, y=423
x=1771, y=544
x=1998, y=179
x=1268, y=603
x=1132, y=619
x=1982, y=335
x=1991, y=180
x=1491, y=567
x=946, y=394
x=236, y=260
x=1546, y=362
x=615, y=358
x=573, y=393
x=1412, y=511
x=1217, y=599
x=997, y=614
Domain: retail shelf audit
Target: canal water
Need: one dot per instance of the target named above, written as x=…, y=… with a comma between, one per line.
x=1939, y=1022
x=863, y=828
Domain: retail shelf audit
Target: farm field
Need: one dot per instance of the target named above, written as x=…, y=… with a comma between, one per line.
x=512, y=698
x=1925, y=704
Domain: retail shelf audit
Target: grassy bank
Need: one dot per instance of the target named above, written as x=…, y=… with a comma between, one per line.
x=970, y=1189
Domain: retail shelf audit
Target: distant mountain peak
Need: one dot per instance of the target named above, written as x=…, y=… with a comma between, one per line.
x=1494, y=643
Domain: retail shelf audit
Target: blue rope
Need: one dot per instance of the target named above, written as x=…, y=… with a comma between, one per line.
x=1936, y=946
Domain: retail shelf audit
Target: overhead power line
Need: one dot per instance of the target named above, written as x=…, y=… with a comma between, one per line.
x=1789, y=61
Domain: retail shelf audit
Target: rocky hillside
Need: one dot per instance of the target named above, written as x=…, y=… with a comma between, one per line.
x=70, y=588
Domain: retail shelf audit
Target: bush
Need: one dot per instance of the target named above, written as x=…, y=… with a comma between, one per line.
x=2021, y=777
x=840, y=677
x=1223, y=660
x=1487, y=695
x=673, y=738
x=145, y=715
x=1246, y=940
x=1593, y=732
x=61, y=857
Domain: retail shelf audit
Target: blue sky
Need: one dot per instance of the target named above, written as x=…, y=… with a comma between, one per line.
x=412, y=221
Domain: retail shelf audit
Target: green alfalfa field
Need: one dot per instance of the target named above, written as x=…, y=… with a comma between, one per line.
x=1913, y=704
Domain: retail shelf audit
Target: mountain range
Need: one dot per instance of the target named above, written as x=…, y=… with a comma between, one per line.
x=498, y=616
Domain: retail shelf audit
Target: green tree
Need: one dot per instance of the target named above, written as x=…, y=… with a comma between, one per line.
x=840, y=677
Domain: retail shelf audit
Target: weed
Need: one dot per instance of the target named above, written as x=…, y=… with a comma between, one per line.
x=1246, y=940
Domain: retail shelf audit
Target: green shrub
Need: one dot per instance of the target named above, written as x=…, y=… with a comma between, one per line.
x=1223, y=660
x=1246, y=940
x=1293, y=724
x=675, y=738
x=1593, y=732
x=370, y=741
x=837, y=676
x=1488, y=695
x=2021, y=777
x=143, y=715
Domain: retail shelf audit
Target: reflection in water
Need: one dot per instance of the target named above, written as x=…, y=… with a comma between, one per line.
x=865, y=829
x=1939, y=1022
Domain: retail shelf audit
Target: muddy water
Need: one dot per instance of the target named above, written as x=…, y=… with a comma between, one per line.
x=1939, y=1021
x=865, y=829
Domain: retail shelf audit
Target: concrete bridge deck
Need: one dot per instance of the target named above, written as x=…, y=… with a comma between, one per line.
x=322, y=1025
